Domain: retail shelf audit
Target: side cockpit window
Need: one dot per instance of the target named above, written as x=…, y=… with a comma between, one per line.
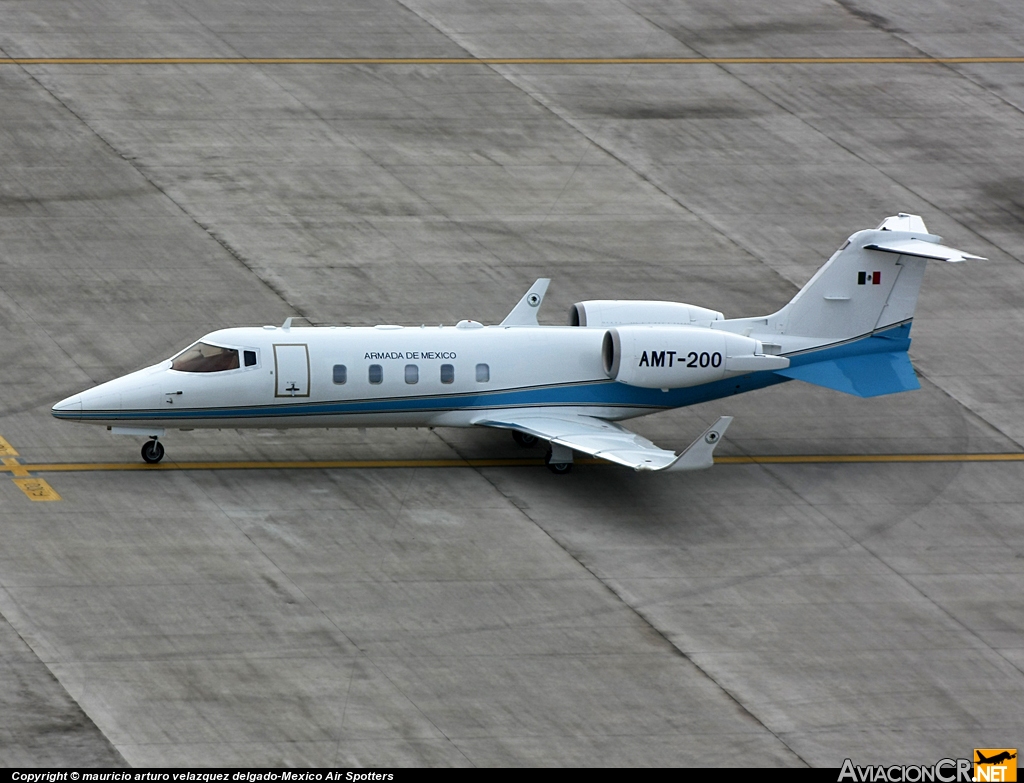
x=203, y=357
x=250, y=358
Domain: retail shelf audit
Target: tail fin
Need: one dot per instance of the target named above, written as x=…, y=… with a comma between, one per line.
x=870, y=284
x=848, y=329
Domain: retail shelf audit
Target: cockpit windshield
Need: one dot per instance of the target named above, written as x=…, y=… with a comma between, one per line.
x=203, y=357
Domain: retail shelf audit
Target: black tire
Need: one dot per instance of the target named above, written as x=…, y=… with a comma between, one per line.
x=152, y=451
x=558, y=468
x=524, y=439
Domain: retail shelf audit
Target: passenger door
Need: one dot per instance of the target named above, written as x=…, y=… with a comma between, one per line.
x=291, y=367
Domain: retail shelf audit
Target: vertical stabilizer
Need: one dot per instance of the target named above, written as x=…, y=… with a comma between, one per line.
x=869, y=284
x=848, y=329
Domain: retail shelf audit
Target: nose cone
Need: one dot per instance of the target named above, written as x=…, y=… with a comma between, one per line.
x=86, y=405
x=70, y=408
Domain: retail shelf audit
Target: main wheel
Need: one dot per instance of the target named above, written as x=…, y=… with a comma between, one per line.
x=152, y=451
x=558, y=468
x=524, y=439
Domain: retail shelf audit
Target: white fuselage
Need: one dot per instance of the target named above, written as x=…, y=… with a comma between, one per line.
x=847, y=329
x=393, y=376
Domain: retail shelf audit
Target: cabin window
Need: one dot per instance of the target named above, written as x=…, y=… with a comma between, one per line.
x=203, y=357
x=412, y=373
x=376, y=374
x=250, y=358
x=483, y=373
x=340, y=373
x=447, y=373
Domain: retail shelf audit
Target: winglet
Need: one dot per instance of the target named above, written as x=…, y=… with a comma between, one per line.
x=525, y=313
x=700, y=453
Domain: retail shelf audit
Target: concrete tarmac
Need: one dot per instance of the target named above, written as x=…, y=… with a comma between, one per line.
x=754, y=614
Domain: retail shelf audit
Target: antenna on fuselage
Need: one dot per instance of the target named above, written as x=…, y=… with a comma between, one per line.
x=287, y=325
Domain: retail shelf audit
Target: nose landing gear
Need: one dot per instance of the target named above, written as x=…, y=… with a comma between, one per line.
x=152, y=451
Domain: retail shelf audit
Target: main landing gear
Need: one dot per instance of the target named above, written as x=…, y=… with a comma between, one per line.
x=152, y=451
x=524, y=439
x=558, y=459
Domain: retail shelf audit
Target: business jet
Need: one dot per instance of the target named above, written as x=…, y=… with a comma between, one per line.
x=847, y=329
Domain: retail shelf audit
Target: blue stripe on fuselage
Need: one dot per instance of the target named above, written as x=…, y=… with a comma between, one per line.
x=603, y=393
x=599, y=393
x=896, y=338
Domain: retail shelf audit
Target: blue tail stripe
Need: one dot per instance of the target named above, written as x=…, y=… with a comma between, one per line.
x=869, y=375
x=870, y=367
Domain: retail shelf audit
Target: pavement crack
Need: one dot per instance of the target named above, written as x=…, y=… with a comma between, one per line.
x=131, y=160
x=358, y=652
x=647, y=621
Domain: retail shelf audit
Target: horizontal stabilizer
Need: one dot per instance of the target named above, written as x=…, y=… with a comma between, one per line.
x=921, y=249
x=870, y=375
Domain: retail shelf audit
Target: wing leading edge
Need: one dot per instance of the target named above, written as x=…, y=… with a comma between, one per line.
x=609, y=441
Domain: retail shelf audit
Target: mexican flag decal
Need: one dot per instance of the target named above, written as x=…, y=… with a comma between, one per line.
x=869, y=278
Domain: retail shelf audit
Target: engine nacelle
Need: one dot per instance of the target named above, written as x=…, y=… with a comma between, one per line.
x=672, y=357
x=620, y=312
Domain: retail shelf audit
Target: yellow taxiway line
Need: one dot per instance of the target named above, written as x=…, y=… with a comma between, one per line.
x=23, y=469
x=6, y=449
x=508, y=60
x=35, y=488
x=799, y=459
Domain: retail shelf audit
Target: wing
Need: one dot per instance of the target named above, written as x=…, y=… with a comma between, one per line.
x=607, y=440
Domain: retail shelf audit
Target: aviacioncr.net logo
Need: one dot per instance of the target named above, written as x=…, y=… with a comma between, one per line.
x=995, y=765
x=942, y=771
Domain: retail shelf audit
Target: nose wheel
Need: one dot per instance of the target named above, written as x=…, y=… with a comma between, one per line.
x=152, y=451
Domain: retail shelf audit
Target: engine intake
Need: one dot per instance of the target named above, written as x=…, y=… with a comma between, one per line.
x=673, y=357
